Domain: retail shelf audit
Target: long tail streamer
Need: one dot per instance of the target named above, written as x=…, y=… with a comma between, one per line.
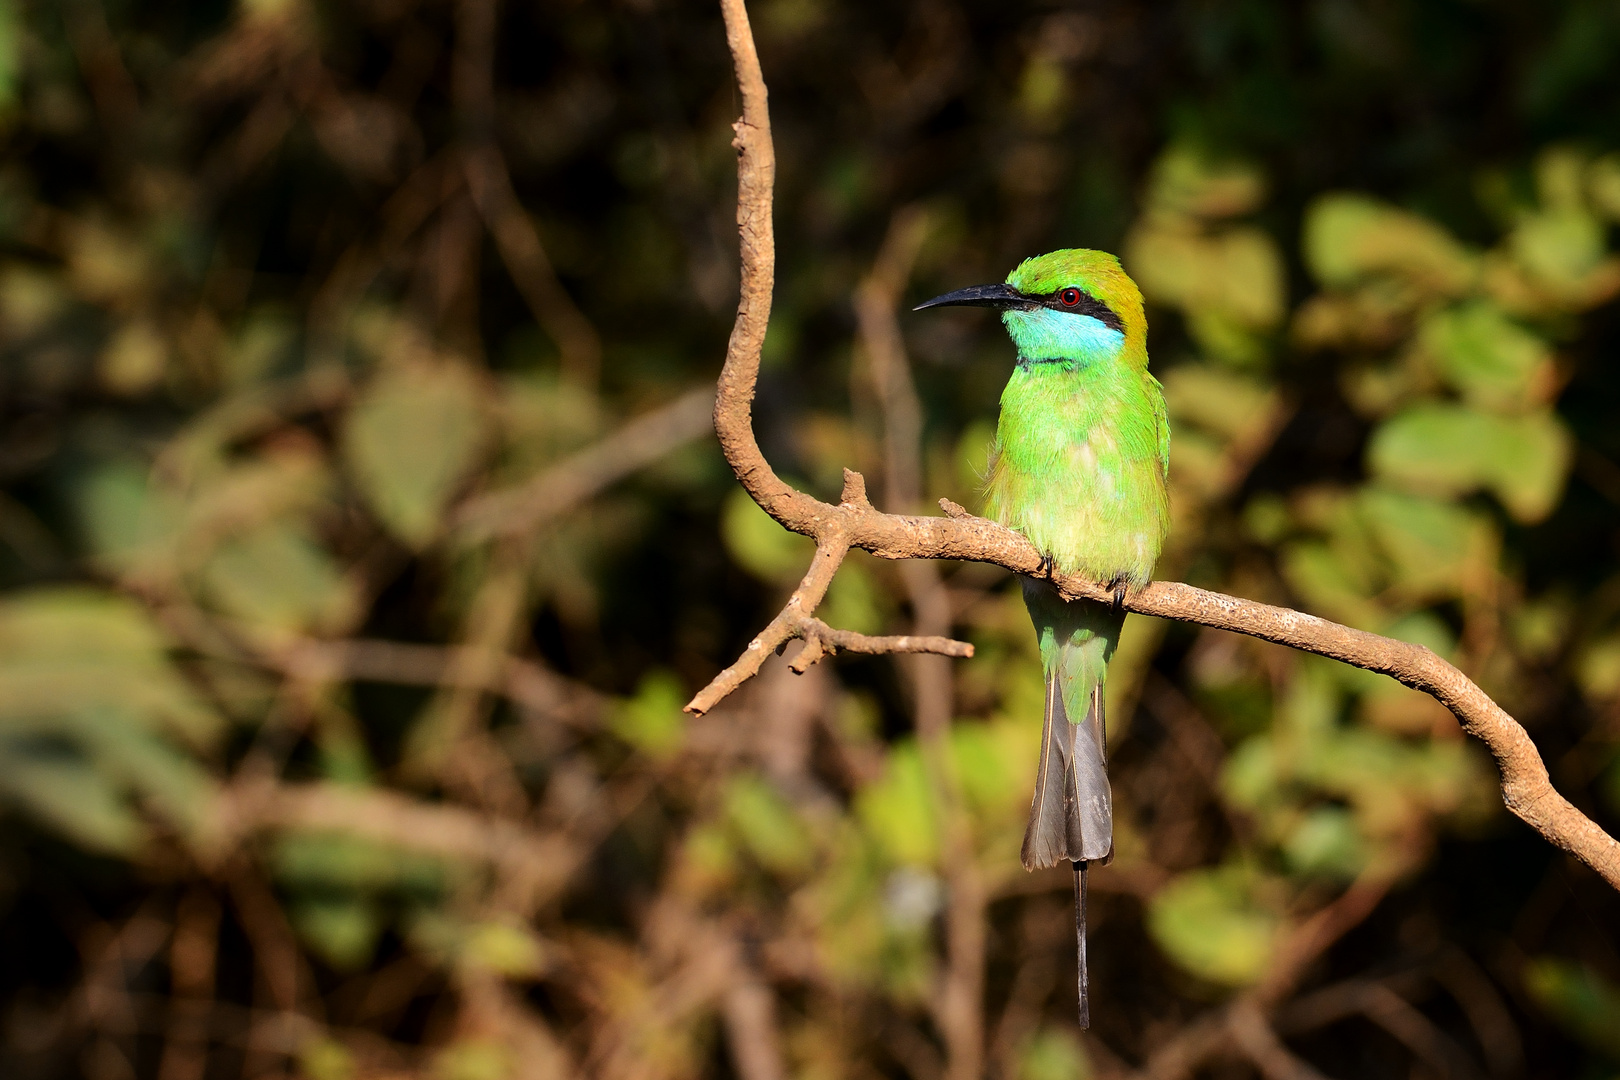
x=1080, y=942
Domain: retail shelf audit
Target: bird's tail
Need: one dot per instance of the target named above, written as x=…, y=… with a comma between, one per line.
x=1072, y=814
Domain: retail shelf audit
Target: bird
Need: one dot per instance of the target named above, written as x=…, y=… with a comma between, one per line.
x=1079, y=466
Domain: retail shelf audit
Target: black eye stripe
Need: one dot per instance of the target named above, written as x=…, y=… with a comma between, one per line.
x=1088, y=305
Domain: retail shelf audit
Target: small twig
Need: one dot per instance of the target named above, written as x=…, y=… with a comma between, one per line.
x=1260, y=1044
x=543, y=861
x=1384, y=1007
x=490, y=183
x=749, y=1010
x=576, y=478
x=518, y=242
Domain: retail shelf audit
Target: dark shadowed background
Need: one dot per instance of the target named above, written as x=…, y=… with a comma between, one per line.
x=362, y=534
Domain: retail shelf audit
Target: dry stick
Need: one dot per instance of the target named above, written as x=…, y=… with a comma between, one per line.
x=191, y=977
x=959, y=1010
x=545, y=859
x=490, y=182
x=518, y=242
x=749, y=1011
x=560, y=488
x=1259, y=1043
x=1526, y=788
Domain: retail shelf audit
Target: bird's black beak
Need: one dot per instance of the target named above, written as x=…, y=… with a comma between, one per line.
x=995, y=296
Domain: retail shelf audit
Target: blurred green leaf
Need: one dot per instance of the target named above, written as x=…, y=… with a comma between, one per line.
x=1053, y=1054
x=1188, y=179
x=1560, y=248
x=70, y=796
x=898, y=810
x=501, y=946
x=1452, y=450
x=409, y=441
x=327, y=861
x=11, y=52
x=342, y=930
x=326, y=1059
x=760, y=545
x=1584, y=1003
x=1436, y=549
x=852, y=601
x=1494, y=361
x=1222, y=402
x=1597, y=667
x=1603, y=186
x=1208, y=922
x=767, y=825
x=1350, y=237
x=652, y=720
x=1325, y=841
x=88, y=705
x=279, y=580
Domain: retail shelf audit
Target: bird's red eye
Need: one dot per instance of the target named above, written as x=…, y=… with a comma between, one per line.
x=1069, y=297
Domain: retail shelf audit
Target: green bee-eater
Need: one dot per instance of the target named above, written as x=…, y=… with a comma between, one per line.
x=1079, y=466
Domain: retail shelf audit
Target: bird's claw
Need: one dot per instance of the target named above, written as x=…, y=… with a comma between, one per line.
x=1047, y=567
x=1118, y=587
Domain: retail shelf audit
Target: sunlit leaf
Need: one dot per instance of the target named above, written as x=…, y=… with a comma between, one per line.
x=760, y=545
x=134, y=359
x=1452, y=450
x=1208, y=922
x=652, y=720
x=1325, y=841
x=1494, y=361
x=1189, y=180
x=279, y=580
x=410, y=441
x=1053, y=1054
x=1222, y=402
x=474, y=1059
x=1603, y=186
x=342, y=930
x=501, y=946
x=898, y=810
x=1348, y=237
x=1597, y=667
x=1560, y=248
x=326, y=1059
x=767, y=825
x=1435, y=548
x=70, y=796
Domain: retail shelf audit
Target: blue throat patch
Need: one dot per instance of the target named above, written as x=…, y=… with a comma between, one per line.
x=1043, y=336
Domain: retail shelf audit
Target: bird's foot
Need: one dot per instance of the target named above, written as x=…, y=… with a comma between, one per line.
x=1047, y=568
x=1119, y=587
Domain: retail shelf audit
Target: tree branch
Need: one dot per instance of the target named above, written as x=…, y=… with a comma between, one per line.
x=855, y=523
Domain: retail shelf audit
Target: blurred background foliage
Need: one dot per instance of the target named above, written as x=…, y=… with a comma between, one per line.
x=361, y=537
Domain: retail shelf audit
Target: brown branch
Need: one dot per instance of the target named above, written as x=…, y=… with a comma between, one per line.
x=958, y=1003
x=518, y=242
x=542, y=861
x=749, y=1011
x=565, y=485
x=796, y=620
x=522, y=682
x=854, y=523
x=490, y=184
x=1260, y=1044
